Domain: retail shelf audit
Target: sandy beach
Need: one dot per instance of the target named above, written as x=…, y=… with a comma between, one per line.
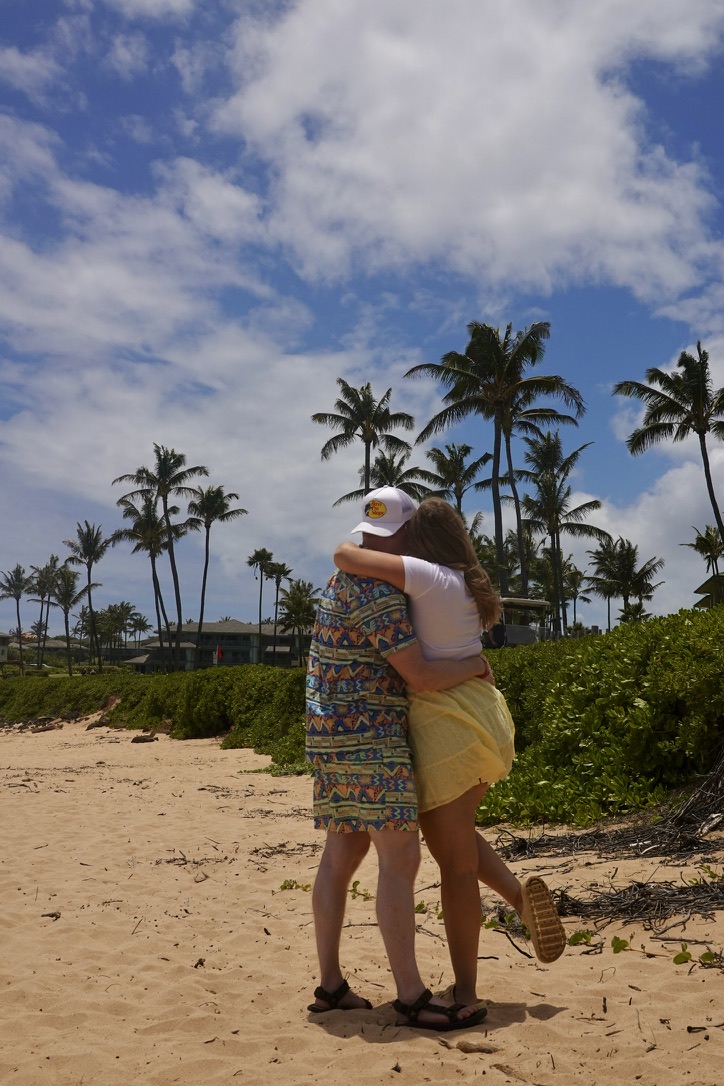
x=156, y=928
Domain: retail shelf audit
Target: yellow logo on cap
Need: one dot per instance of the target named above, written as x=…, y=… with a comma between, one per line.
x=375, y=509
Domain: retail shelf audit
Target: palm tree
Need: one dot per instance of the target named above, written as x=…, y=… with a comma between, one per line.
x=360, y=415
x=635, y=580
x=87, y=549
x=574, y=581
x=260, y=561
x=299, y=610
x=520, y=417
x=389, y=469
x=13, y=586
x=210, y=504
x=44, y=578
x=67, y=595
x=633, y=612
x=549, y=511
x=113, y=625
x=453, y=476
x=82, y=624
x=168, y=478
x=148, y=533
x=138, y=626
x=488, y=380
x=677, y=405
x=709, y=545
x=618, y=573
x=603, y=582
x=278, y=572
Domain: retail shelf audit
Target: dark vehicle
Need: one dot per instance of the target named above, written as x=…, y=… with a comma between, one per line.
x=522, y=623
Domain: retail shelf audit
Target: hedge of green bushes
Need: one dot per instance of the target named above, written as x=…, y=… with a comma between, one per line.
x=252, y=705
x=609, y=724
x=604, y=725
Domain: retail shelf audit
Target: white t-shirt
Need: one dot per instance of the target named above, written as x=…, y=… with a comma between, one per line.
x=443, y=612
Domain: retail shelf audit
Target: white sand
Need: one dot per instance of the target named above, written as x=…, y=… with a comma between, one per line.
x=146, y=940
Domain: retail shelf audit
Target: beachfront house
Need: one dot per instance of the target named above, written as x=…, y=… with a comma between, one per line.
x=224, y=644
x=711, y=591
x=4, y=646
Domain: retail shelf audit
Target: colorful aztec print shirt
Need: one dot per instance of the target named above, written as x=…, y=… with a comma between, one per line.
x=352, y=692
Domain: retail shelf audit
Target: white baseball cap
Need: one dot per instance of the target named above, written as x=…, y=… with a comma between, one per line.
x=385, y=511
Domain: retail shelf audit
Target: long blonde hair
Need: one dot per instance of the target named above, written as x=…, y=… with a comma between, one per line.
x=437, y=533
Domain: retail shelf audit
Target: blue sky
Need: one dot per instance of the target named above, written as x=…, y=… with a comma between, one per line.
x=208, y=213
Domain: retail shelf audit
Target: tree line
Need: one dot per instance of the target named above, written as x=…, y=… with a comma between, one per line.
x=154, y=527
x=491, y=381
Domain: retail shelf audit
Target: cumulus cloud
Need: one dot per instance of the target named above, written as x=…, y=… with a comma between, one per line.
x=501, y=142
x=32, y=73
x=127, y=272
x=662, y=518
x=128, y=55
x=496, y=146
x=152, y=9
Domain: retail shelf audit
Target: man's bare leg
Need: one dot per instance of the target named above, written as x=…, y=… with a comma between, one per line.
x=343, y=853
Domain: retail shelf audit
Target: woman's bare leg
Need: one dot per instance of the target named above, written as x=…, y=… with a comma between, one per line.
x=453, y=841
x=494, y=872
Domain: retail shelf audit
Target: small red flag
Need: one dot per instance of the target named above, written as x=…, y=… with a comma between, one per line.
x=219, y=653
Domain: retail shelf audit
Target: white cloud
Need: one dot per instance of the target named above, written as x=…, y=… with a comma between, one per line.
x=192, y=63
x=661, y=518
x=128, y=55
x=138, y=128
x=500, y=143
x=494, y=141
x=152, y=9
x=128, y=272
x=32, y=73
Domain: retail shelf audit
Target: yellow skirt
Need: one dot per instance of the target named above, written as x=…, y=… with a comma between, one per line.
x=459, y=737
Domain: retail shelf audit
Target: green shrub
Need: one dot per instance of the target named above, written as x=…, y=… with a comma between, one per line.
x=266, y=704
x=203, y=705
x=21, y=699
x=607, y=725
x=604, y=725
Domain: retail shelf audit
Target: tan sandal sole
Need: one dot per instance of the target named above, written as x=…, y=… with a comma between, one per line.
x=540, y=916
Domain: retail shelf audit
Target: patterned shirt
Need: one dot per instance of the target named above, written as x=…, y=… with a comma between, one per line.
x=352, y=692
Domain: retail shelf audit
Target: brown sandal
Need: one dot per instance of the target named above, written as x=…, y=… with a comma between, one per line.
x=334, y=999
x=412, y=1012
x=540, y=916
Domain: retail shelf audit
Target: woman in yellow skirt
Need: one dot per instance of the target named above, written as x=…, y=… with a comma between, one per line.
x=462, y=739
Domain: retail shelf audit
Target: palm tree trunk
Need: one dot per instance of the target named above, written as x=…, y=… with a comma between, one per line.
x=93, y=633
x=261, y=586
x=367, y=466
x=203, y=599
x=39, y=643
x=160, y=608
x=518, y=519
x=20, y=634
x=67, y=642
x=557, y=581
x=176, y=586
x=498, y=512
x=276, y=612
x=45, y=628
x=710, y=484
